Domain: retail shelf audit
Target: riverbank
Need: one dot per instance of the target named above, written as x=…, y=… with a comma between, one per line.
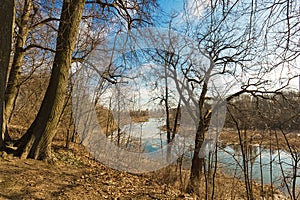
x=275, y=139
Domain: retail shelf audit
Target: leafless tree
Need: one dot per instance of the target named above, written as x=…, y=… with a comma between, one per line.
x=245, y=54
x=7, y=13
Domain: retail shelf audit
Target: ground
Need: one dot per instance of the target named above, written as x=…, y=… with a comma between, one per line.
x=76, y=175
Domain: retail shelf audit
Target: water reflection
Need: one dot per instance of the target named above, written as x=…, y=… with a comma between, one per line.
x=262, y=164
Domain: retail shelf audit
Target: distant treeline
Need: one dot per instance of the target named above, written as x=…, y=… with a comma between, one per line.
x=280, y=111
x=139, y=113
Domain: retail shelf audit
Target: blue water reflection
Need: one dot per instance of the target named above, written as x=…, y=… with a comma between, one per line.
x=263, y=165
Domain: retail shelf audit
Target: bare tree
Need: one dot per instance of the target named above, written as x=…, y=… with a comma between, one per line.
x=36, y=143
x=244, y=55
x=21, y=36
x=7, y=13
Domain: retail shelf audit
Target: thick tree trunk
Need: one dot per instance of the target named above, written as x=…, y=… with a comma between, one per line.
x=7, y=13
x=13, y=80
x=197, y=162
x=36, y=143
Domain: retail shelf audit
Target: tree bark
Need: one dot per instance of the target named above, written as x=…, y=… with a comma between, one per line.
x=36, y=143
x=7, y=13
x=197, y=162
x=12, y=84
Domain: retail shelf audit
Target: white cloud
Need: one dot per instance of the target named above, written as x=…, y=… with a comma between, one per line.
x=195, y=8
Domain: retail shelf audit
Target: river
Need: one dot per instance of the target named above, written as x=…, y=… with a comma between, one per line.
x=266, y=165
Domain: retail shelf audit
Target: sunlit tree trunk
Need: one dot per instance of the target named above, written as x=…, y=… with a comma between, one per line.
x=7, y=13
x=12, y=84
x=36, y=143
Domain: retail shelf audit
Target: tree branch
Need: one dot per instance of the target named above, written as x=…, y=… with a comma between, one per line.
x=39, y=47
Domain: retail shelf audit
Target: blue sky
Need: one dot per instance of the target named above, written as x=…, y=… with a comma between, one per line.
x=170, y=6
x=176, y=6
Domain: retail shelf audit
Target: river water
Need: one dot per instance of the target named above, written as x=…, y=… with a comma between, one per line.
x=264, y=166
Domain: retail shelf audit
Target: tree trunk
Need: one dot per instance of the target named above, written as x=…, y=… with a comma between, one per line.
x=197, y=162
x=7, y=13
x=12, y=84
x=36, y=143
x=166, y=99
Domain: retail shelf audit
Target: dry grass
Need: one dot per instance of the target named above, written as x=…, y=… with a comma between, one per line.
x=225, y=187
x=275, y=138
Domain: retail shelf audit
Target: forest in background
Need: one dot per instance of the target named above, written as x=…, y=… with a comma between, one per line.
x=41, y=39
